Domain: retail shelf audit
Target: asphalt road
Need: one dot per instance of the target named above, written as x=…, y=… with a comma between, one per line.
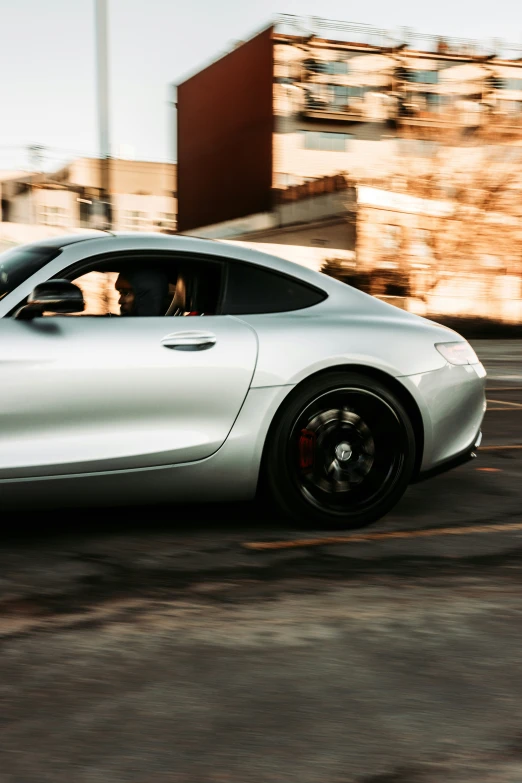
x=171, y=646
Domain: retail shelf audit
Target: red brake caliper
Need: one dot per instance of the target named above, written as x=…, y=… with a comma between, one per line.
x=306, y=449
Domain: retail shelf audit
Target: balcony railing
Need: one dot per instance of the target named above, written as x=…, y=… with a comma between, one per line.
x=406, y=111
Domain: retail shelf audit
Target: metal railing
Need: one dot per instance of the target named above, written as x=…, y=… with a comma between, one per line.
x=368, y=35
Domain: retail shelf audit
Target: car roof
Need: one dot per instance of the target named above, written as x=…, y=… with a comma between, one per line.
x=67, y=239
x=119, y=241
x=339, y=295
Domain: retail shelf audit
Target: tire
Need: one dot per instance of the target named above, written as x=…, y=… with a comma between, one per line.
x=340, y=453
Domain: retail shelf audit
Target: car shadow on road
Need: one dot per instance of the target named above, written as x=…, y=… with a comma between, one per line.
x=202, y=519
x=464, y=496
x=186, y=519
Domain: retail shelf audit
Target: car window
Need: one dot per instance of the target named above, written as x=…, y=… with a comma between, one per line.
x=143, y=287
x=20, y=263
x=251, y=289
x=99, y=293
x=147, y=284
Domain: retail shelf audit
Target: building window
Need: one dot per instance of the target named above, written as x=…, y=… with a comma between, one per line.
x=422, y=77
x=315, y=66
x=340, y=96
x=53, y=216
x=332, y=67
x=513, y=84
x=434, y=102
x=357, y=92
x=135, y=220
x=315, y=101
x=326, y=141
x=336, y=67
x=334, y=97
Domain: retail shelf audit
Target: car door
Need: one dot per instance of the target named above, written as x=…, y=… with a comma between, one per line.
x=84, y=395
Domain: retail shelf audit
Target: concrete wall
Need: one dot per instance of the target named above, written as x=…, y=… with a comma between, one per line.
x=362, y=158
x=322, y=221
x=225, y=137
x=126, y=176
x=330, y=235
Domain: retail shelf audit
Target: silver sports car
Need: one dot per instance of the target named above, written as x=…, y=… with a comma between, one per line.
x=280, y=381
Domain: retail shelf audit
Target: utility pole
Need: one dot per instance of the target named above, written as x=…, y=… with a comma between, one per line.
x=102, y=61
x=36, y=161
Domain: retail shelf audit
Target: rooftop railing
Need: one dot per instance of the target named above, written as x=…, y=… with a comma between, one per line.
x=376, y=37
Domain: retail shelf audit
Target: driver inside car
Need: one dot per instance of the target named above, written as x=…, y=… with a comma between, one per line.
x=143, y=293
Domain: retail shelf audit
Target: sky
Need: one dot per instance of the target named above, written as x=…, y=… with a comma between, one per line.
x=47, y=61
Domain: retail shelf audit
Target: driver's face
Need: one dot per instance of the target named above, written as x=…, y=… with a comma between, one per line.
x=126, y=295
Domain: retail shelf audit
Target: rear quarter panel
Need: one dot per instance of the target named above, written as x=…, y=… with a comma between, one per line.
x=293, y=346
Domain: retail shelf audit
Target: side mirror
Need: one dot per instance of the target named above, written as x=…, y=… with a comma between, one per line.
x=55, y=296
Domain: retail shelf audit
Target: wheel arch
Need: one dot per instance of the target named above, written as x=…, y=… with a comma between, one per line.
x=391, y=383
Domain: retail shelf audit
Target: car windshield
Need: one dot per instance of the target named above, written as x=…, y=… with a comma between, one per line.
x=20, y=263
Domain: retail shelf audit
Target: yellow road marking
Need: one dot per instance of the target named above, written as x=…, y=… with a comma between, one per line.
x=505, y=402
x=501, y=448
x=510, y=410
x=396, y=534
x=503, y=388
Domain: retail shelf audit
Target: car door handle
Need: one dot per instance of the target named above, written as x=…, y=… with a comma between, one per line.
x=189, y=341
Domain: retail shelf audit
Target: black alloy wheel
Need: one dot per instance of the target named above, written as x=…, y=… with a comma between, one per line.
x=342, y=452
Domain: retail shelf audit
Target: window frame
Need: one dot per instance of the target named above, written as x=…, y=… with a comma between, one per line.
x=224, y=263
x=180, y=258
x=86, y=265
x=53, y=215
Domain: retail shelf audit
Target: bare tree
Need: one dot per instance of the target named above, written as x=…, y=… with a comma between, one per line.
x=470, y=205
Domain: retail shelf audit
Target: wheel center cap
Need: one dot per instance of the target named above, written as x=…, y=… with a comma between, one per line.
x=343, y=451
